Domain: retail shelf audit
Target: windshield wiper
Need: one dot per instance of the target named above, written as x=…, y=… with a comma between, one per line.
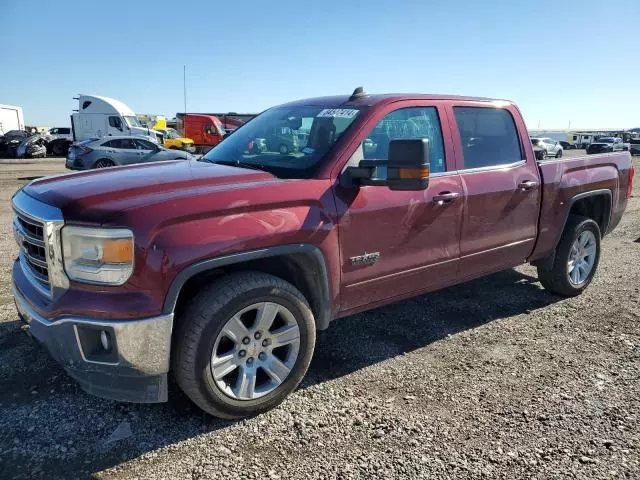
x=238, y=163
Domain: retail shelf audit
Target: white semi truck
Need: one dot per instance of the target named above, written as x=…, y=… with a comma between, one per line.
x=98, y=117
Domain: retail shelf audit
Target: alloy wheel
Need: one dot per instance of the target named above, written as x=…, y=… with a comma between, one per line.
x=582, y=257
x=255, y=351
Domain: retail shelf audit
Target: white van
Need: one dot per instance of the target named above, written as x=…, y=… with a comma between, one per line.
x=103, y=116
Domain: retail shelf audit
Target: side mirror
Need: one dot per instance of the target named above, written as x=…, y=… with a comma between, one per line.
x=407, y=167
x=408, y=164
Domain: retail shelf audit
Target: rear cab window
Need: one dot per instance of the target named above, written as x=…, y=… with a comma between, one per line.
x=489, y=137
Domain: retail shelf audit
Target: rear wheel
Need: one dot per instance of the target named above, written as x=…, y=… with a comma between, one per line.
x=284, y=149
x=559, y=153
x=576, y=259
x=243, y=344
x=103, y=163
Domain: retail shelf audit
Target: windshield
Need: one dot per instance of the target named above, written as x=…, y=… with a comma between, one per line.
x=605, y=140
x=132, y=121
x=286, y=141
x=171, y=133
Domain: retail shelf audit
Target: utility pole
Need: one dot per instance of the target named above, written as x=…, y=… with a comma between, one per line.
x=538, y=124
x=184, y=84
x=569, y=125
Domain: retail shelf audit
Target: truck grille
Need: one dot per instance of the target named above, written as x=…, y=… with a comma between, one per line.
x=30, y=237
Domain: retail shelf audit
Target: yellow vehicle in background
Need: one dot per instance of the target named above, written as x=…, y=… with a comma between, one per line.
x=171, y=139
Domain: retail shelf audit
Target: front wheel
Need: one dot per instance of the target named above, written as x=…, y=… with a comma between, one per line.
x=284, y=149
x=576, y=259
x=243, y=344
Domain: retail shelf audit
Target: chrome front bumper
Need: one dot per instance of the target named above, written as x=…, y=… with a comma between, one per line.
x=133, y=370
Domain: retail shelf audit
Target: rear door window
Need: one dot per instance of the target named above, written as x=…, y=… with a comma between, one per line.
x=489, y=136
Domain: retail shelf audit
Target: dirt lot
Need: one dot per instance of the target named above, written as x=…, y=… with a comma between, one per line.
x=490, y=379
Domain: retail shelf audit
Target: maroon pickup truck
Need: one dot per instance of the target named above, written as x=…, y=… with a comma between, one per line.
x=222, y=270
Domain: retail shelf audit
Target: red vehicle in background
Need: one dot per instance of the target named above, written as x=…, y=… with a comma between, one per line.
x=208, y=129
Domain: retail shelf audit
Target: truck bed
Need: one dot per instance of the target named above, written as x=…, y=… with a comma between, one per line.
x=568, y=180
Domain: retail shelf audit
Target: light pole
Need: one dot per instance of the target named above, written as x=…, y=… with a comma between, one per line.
x=184, y=85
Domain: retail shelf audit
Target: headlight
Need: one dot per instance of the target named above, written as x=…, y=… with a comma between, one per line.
x=98, y=255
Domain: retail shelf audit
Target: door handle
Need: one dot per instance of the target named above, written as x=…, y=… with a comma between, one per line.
x=527, y=185
x=445, y=197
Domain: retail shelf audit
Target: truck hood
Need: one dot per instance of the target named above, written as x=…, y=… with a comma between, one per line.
x=95, y=196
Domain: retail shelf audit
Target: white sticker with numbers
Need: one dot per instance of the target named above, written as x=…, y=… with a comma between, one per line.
x=338, y=113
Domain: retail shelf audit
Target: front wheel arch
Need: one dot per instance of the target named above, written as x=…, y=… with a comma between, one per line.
x=302, y=265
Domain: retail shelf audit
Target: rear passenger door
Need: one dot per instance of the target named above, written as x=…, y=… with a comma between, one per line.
x=502, y=189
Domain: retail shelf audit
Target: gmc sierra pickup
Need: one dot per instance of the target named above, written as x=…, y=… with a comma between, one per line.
x=222, y=270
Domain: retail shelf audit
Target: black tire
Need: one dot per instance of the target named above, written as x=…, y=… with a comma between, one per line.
x=103, y=163
x=559, y=154
x=173, y=147
x=556, y=279
x=203, y=320
x=283, y=148
x=59, y=149
x=545, y=154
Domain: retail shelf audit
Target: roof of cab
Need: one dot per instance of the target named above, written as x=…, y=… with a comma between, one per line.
x=369, y=100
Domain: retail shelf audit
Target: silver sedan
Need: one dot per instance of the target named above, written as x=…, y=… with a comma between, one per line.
x=111, y=151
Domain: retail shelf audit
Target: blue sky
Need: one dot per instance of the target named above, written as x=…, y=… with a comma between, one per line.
x=560, y=60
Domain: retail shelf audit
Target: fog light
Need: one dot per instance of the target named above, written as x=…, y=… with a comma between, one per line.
x=105, y=341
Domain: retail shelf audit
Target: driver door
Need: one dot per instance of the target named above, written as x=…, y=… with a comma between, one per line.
x=399, y=243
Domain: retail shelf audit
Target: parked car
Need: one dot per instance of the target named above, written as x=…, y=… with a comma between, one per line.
x=112, y=151
x=224, y=269
x=34, y=146
x=61, y=132
x=12, y=140
x=566, y=145
x=173, y=141
x=606, y=144
x=551, y=147
x=281, y=139
x=634, y=147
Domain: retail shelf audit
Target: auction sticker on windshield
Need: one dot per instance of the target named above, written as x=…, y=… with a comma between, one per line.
x=338, y=113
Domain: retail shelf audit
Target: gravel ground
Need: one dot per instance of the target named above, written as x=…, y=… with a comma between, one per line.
x=490, y=379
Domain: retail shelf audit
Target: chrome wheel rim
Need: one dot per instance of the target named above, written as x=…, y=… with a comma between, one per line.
x=582, y=257
x=255, y=351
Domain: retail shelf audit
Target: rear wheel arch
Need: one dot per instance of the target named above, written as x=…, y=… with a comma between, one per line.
x=596, y=204
x=303, y=266
x=107, y=161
